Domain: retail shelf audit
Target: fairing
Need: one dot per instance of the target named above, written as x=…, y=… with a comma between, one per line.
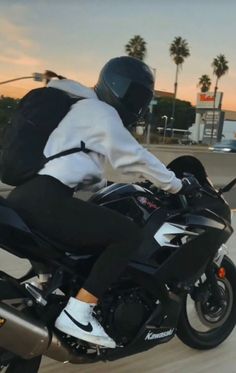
x=116, y=191
x=182, y=246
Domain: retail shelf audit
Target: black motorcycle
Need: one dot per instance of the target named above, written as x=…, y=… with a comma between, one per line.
x=180, y=281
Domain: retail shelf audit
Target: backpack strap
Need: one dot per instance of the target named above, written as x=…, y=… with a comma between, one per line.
x=67, y=152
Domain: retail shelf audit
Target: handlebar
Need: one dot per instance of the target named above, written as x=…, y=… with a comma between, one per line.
x=181, y=197
x=184, y=201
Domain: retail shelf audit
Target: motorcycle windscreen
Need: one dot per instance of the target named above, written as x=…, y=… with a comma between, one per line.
x=191, y=165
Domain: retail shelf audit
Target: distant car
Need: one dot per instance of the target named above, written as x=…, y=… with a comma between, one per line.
x=225, y=146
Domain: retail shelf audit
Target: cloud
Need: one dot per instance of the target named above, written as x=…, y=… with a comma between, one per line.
x=18, y=90
x=14, y=56
x=13, y=33
x=16, y=47
x=21, y=59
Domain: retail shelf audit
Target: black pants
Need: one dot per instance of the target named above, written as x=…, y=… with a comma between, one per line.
x=48, y=205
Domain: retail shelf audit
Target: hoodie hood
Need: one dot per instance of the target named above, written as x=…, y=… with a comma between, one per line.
x=73, y=88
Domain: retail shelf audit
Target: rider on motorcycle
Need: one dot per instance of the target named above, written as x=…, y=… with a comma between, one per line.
x=101, y=120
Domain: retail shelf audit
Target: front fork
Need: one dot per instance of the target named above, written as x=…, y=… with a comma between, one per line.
x=212, y=277
x=209, y=285
x=220, y=255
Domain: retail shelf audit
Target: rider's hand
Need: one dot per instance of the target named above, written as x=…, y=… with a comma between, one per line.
x=190, y=185
x=145, y=184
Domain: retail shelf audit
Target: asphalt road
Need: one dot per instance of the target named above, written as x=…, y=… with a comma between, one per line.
x=231, y=199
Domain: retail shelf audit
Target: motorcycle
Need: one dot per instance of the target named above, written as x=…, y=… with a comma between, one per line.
x=180, y=282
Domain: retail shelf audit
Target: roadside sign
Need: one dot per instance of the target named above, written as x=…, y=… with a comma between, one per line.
x=206, y=100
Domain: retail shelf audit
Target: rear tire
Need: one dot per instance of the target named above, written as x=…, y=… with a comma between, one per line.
x=218, y=330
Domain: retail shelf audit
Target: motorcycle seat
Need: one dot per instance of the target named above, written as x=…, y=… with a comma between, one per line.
x=15, y=235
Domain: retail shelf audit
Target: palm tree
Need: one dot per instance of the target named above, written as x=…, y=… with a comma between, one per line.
x=204, y=83
x=179, y=50
x=136, y=47
x=220, y=68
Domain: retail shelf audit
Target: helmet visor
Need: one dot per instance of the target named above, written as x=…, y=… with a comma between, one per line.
x=136, y=99
x=134, y=96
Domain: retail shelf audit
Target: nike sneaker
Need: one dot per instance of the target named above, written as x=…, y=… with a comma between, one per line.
x=77, y=320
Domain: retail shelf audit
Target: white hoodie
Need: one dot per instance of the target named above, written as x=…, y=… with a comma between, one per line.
x=99, y=126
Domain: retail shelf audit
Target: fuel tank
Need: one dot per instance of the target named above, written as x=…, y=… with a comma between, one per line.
x=131, y=200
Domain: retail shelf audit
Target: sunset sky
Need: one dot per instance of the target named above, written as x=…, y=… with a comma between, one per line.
x=76, y=37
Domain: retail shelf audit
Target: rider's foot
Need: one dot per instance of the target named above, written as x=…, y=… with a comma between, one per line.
x=77, y=320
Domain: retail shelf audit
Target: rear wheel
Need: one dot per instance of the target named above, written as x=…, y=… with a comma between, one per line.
x=205, y=322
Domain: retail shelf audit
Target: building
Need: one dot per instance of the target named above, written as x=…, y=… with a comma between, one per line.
x=230, y=115
x=158, y=94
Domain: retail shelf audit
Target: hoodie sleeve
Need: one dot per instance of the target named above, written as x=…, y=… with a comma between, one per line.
x=125, y=154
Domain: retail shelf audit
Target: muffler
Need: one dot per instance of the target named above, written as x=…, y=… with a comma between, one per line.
x=27, y=337
x=21, y=334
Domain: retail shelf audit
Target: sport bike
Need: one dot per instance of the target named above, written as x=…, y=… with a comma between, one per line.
x=180, y=281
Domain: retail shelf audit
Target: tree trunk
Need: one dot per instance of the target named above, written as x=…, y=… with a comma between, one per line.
x=174, y=101
x=213, y=116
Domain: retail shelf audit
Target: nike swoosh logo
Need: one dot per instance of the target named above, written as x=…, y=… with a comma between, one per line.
x=87, y=328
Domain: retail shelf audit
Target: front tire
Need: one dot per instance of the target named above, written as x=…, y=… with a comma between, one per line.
x=212, y=324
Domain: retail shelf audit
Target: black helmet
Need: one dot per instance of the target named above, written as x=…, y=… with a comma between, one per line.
x=127, y=84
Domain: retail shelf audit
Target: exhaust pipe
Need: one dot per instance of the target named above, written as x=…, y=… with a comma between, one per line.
x=21, y=334
x=27, y=337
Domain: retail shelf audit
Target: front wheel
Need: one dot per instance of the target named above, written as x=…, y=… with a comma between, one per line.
x=205, y=321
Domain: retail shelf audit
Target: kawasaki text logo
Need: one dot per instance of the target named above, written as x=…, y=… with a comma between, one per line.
x=150, y=336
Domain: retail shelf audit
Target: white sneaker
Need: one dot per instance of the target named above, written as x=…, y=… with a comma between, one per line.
x=76, y=319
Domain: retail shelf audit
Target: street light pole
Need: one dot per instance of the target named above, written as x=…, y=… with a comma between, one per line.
x=172, y=119
x=39, y=77
x=165, y=125
x=154, y=74
x=13, y=80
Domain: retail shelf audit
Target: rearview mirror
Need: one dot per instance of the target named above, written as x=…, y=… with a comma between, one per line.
x=228, y=187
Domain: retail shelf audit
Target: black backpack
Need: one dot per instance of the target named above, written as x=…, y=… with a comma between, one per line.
x=38, y=114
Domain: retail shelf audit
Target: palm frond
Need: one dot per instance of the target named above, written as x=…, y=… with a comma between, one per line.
x=136, y=47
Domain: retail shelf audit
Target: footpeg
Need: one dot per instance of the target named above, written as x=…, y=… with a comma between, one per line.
x=36, y=295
